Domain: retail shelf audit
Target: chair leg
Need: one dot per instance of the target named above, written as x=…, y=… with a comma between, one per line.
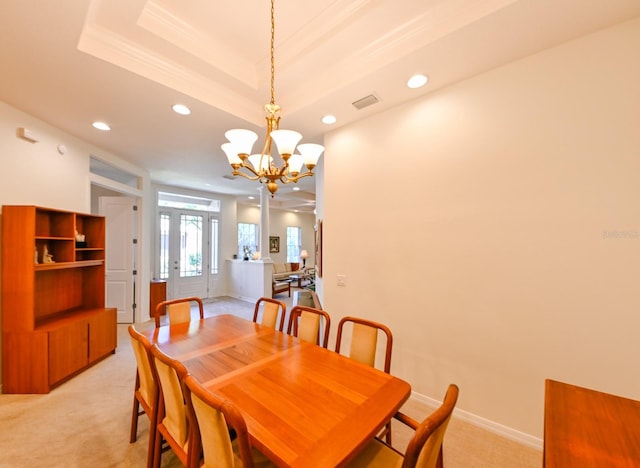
x=439, y=461
x=134, y=420
x=388, y=435
x=153, y=428
x=157, y=449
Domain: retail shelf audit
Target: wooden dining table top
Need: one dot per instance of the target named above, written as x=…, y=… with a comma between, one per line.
x=587, y=428
x=304, y=405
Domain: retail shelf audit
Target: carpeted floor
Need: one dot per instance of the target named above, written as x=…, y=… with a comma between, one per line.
x=85, y=422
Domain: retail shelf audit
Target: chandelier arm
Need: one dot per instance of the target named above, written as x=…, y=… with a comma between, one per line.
x=286, y=179
x=284, y=170
x=250, y=169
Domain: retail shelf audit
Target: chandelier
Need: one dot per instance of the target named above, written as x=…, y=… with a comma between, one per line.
x=261, y=166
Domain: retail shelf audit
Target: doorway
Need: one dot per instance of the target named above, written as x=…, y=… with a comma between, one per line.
x=121, y=239
x=188, y=254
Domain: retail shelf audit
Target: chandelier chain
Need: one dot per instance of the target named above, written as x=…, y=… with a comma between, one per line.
x=273, y=65
x=261, y=167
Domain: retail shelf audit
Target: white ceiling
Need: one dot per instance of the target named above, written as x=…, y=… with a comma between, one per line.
x=126, y=62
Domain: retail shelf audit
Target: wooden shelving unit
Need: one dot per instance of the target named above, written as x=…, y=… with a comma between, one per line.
x=54, y=322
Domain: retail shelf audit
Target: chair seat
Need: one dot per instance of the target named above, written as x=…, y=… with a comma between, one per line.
x=377, y=455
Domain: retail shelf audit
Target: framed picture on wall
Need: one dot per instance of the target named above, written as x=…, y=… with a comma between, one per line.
x=274, y=244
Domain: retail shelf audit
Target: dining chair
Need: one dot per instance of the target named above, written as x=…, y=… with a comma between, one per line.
x=171, y=417
x=425, y=447
x=178, y=310
x=269, y=310
x=145, y=393
x=212, y=421
x=305, y=323
x=364, y=343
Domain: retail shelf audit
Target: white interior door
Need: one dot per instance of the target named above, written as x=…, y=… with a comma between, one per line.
x=120, y=263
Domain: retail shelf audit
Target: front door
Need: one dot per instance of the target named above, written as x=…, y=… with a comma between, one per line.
x=183, y=251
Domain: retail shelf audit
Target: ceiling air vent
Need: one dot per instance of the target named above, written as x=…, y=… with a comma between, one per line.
x=365, y=101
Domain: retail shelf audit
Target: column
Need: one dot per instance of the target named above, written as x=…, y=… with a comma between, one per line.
x=264, y=223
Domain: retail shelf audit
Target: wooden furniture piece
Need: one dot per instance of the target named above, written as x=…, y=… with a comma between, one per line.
x=280, y=286
x=171, y=418
x=54, y=319
x=303, y=404
x=307, y=324
x=157, y=294
x=300, y=277
x=211, y=418
x=587, y=428
x=364, y=343
x=145, y=393
x=306, y=297
x=269, y=310
x=425, y=447
x=179, y=310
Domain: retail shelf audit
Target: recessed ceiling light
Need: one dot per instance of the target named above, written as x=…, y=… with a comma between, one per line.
x=329, y=119
x=101, y=126
x=417, y=81
x=295, y=189
x=181, y=109
x=251, y=197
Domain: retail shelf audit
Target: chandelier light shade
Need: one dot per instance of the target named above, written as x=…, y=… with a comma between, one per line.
x=262, y=166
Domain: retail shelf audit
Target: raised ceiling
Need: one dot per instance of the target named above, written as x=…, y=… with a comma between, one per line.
x=126, y=62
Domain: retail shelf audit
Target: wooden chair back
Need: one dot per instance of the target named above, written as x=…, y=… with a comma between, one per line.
x=364, y=344
x=210, y=419
x=272, y=312
x=172, y=413
x=364, y=341
x=145, y=393
x=425, y=448
x=178, y=310
x=306, y=324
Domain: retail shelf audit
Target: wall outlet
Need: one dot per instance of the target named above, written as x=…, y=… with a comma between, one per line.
x=342, y=280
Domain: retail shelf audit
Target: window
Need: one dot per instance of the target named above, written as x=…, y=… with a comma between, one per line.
x=165, y=223
x=294, y=243
x=190, y=245
x=186, y=202
x=214, y=246
x=247, y=239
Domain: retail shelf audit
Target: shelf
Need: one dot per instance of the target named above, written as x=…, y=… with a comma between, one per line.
x=54, y=319
x=65, y=317
x=65, y=265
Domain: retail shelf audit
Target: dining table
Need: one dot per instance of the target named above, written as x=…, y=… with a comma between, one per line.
x=304, y=405
x=588, y=428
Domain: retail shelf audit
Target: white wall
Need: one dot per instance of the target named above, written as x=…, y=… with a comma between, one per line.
x=490, y=252
x=35, y=173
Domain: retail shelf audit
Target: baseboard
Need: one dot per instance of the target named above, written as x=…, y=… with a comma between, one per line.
x=499, y=429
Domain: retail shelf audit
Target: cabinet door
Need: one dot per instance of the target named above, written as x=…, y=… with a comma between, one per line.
x=68, y=350
x=103, y=334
